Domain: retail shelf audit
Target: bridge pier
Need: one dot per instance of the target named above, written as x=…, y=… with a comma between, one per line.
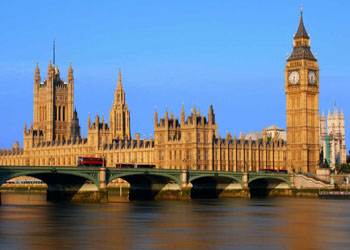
x=292, y=181
x=185, y=178
x=245, y=180
x=103, y=178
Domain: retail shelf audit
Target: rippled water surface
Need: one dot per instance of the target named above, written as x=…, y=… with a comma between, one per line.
x=31, y=223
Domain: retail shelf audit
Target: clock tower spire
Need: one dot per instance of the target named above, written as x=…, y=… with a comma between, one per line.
x=302, y=89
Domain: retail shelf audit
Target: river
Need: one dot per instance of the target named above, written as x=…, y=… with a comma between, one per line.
x=278, y=223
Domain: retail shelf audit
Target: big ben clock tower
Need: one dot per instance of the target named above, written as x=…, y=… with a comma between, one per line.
x=302, y=88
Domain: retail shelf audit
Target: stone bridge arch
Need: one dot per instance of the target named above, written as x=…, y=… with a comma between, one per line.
x=264, y=186
x=146, y=185
x=214, y=185
x=63, y=183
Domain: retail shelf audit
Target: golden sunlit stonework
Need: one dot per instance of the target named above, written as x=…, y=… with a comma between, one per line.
x=302, y=88
x=191, y=143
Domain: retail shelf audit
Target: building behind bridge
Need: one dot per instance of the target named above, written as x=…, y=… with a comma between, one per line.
x=189, y=143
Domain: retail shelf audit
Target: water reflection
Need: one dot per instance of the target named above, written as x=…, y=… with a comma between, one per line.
x=200, y=224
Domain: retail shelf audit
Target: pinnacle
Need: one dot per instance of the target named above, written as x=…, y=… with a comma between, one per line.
x=120, y=79
x=37, y=70
x=301, y=32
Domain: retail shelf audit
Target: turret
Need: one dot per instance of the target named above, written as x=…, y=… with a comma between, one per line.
x=182, y=115
x=50, y=74
x=75, y=128
x=119, y=116
x=155, y=118
x=97, y=121
x=89, y=122
x=166, y=116
x=211, y=116
x=37, y=77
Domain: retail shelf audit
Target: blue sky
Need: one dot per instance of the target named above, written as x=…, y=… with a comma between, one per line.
x=230, y=54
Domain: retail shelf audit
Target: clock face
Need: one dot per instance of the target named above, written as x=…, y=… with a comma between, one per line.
x=311, y=77
x=294, y=77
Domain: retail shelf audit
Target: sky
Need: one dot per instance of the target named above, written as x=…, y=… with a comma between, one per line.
x=229, y=54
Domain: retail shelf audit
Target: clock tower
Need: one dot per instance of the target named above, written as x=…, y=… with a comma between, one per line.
x=302, y=89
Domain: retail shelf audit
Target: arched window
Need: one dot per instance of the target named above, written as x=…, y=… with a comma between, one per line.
x=63, y=113
x=55, y=113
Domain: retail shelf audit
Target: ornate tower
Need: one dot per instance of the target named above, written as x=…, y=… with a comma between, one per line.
x=302, y=89
x=119, y=116
x=53, y=104
x=75, y=128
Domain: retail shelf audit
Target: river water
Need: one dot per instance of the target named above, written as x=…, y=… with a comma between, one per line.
x=29, y=222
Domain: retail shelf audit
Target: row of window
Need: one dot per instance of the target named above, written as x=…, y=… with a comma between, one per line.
x=60, y=113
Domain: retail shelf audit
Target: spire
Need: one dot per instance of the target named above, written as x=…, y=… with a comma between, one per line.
x=194, y=109
x=89, y=121
x=155, y=117
x=301, y=32
x=57, y=71
x=37, y=70
x=166, y=112
x=301, y=46
x=211, y=116
x=97, y=121
x=70, y=69
x=228, y=135
x=335, y=111
x=182, y=114
x=120, y=79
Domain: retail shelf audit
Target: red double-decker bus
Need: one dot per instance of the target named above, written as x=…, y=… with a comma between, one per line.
x=91, y=161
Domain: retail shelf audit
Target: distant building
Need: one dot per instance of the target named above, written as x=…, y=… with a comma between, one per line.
x=332, y=138
x=272, y=132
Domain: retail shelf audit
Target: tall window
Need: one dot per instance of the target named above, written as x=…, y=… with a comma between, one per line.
x=63, y=113
x=188, y=154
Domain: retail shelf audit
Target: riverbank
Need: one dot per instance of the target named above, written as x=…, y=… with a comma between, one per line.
x=125, y=193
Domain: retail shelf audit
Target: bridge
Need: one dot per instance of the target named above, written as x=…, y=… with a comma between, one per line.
x=65, y=183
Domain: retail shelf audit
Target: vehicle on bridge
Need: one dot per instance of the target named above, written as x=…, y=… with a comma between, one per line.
x=123, y=165
x=91, y=161
x=271, y=170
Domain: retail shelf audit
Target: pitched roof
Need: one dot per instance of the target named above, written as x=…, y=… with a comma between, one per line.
x=274, y=127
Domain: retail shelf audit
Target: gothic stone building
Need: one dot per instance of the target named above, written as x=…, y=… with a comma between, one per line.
x=332, y=138
x=189, y=143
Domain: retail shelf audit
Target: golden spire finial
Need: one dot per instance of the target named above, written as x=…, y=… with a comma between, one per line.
x=301, y=8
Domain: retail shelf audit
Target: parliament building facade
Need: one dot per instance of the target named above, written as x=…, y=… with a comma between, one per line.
x=54, y=139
